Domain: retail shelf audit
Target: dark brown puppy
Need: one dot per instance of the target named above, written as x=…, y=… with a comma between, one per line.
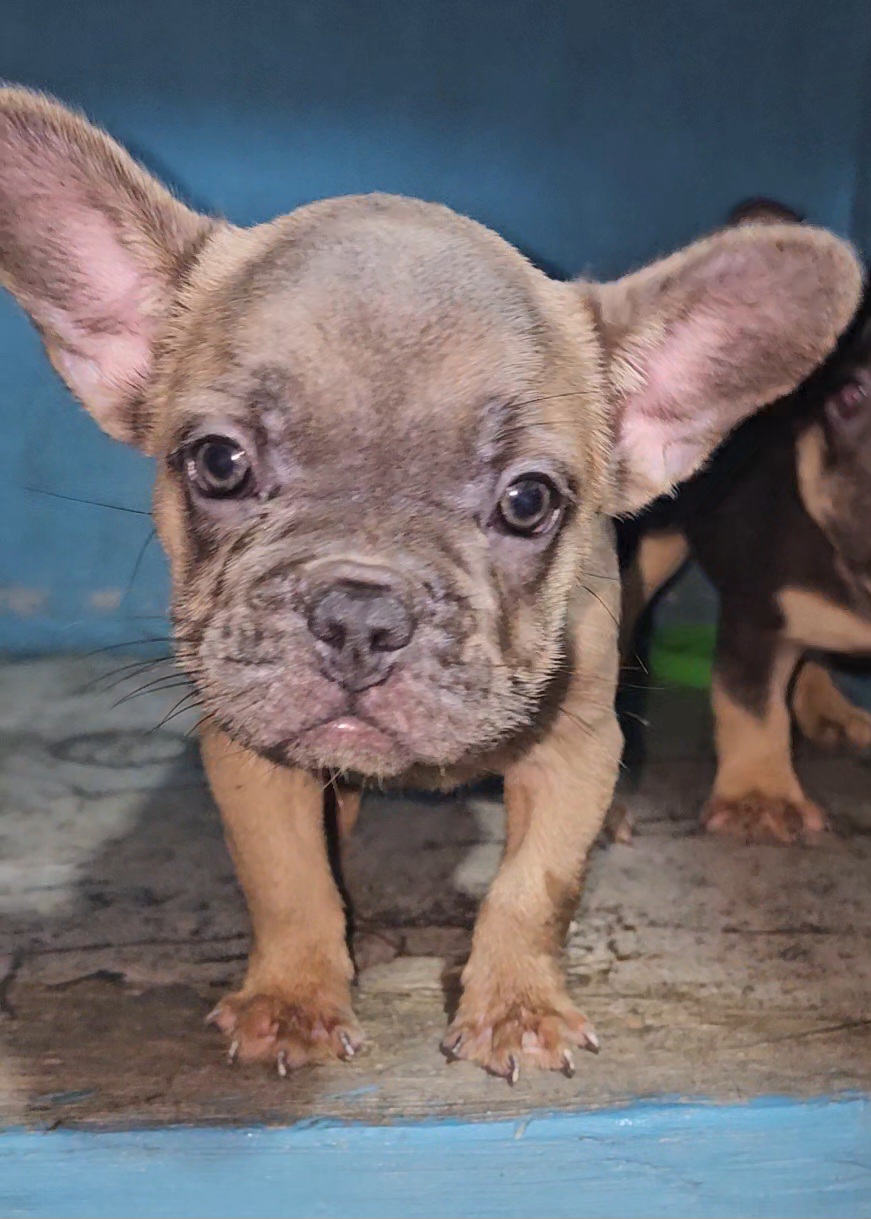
x=387, y=452
x=780, y=521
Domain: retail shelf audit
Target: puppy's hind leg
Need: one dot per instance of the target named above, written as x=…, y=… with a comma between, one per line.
x=757, y=795
x=824, y=714
x=659, y=556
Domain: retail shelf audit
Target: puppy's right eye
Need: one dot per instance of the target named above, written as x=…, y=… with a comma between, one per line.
x=219, y=467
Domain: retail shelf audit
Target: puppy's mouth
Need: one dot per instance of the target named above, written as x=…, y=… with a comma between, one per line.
x=347, y=741
x=349, y=733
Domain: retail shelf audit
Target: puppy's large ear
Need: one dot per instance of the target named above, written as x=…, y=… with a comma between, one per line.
x=91, y=246
x=696, y=343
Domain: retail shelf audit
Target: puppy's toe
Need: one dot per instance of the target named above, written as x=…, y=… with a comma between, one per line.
x=287, y=1031
x=619, y=825
x=504, y=1039
x=755, y=818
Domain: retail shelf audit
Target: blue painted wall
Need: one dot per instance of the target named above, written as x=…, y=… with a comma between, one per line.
x=595, y=134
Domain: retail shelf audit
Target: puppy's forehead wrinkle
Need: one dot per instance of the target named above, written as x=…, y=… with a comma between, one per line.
x=544, y=429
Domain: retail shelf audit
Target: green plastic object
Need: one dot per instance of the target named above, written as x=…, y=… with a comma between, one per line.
x=682, y=655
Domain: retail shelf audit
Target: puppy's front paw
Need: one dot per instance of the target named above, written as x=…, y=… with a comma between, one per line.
x=501, y=1036
x=766, y=819
x=289, y=1031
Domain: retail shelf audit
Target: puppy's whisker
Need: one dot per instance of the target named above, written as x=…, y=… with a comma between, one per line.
x=332, y=783
x=658, y=689
x=211, y=718
x=92, y=503
x=126, y=673
x=635, y=662
x=187, y=703
x=523, y=425
x=588, y=729
x=160, y=686
x=604, y=604
x=138, y=564
x=570, y=393
x=131, y=643
x=201, y=722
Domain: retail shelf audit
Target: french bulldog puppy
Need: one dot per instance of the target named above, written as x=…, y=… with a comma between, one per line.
x=387, y=452
x=780, y=522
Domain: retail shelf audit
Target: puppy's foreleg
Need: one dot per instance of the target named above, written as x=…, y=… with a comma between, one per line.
x=515, y=1005
x=294, y=1005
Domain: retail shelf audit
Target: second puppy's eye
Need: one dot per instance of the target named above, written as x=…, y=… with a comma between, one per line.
x=530, y=505
x=849, y=400
x=219, y=467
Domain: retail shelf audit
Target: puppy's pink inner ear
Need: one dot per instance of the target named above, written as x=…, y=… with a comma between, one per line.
x=666, y=427
x=101, y=328
x=662, y=424
x=91, y=246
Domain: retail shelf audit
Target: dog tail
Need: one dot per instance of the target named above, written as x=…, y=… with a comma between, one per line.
x=660, y=555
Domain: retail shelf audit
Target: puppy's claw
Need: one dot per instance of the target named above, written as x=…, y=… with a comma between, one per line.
x=592, y=1039
x=281, y=1063
x=213, y=1015
x=348, y=1047
x=233, y=1052
x=451, y=1045
x=568, y=1064
x=513, y=1070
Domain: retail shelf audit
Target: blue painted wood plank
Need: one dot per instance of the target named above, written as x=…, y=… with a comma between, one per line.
x=768, y=1159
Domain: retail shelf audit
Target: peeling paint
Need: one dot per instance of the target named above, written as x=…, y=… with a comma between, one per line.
x=24, y=602
x=105, y=600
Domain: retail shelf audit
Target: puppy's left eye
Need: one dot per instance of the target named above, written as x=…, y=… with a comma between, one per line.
x=529, y=506
x=219, y=467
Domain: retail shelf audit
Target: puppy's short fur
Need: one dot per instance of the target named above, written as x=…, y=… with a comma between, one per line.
x=387, y=449
x=780, y=521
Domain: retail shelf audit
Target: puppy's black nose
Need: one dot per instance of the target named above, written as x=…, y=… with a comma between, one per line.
x=360, y=627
